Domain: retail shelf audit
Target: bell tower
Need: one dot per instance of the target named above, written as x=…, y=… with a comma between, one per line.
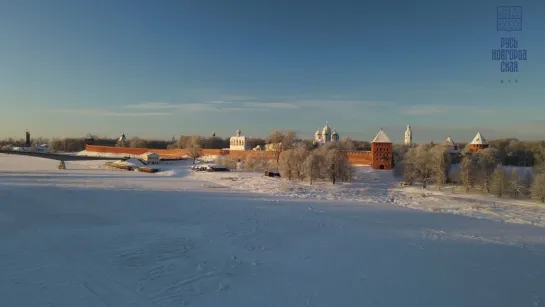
x=408, y=136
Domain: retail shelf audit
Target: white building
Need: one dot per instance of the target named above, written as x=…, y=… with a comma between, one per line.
x=408, y=136
x=44, y=148
x=238, y=142
x=326, y=136
x=151, y=158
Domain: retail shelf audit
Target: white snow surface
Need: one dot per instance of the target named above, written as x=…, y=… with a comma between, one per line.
x=94, y=236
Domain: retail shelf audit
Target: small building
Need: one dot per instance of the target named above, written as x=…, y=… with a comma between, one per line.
x=273, y=147
x=151, y=158
x=43, y=148
x=239, y=142
x=478, y=143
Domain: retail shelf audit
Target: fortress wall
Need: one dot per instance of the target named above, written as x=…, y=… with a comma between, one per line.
x=355, y=157
x=360, y=157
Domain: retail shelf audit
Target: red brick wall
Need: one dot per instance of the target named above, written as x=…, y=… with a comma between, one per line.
x=360, y=157
x=164, y=153
x=355, y=157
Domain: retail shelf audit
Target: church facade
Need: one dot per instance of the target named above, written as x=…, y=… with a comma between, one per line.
x=325, y=136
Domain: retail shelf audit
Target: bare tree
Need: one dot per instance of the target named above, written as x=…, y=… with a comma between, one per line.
x=136, y=142
x=194, y=146
x=486, y=162
x=256, y=162
x=298, y=157
x=336, y=166
x=284, y=164
x=538, y=187
x=279, y=141
x=418, y=166
x=312, y=166
x=467, y=170
x=226, y=161
x=440, y=164
x=346, y=144
x=526, y=182
x=499, y=182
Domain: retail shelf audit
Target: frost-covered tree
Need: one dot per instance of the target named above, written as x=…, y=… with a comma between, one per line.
x=284, y=164
x=467, y=170
x=256, y=162
x=526, y=182
x=336, y=166
x=498, y=182
x=440, y=164
x=194, y=146
x=486, y=161
x=312, y=166
x=281, y=141
x=538, y=187
x=418, y=166
x=298, y=157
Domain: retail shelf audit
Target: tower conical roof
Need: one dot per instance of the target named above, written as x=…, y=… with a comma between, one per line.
x=381, y=137
x=479, y=140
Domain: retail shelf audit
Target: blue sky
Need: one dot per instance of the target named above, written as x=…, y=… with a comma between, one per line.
x=165, y=68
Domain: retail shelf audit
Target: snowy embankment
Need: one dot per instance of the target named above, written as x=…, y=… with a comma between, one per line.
x=372, y=186
x=99, y=237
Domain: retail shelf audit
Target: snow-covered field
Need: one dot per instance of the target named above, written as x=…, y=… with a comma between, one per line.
x=95, y=236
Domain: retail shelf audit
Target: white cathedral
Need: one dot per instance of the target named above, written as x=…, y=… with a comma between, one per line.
x=326, y=136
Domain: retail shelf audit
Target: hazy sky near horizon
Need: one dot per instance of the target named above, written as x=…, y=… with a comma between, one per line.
x=165, y=68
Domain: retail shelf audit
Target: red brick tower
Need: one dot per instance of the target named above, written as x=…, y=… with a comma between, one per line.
x=381, y=149
x=478, y=143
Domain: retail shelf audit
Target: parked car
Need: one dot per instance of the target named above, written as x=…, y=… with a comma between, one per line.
x=199, y=168
x=272, y=173
x=216, y=168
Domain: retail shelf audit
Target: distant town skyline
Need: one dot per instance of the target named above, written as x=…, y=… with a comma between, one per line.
x=168, y=68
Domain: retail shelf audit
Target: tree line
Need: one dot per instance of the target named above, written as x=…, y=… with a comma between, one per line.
x=298, y=159
x=510, y=151
x=483, y=171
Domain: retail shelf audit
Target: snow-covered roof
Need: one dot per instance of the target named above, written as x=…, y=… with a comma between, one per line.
x=381, y=138
x=450, y=142
x=150, y=153
x=479, y=140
